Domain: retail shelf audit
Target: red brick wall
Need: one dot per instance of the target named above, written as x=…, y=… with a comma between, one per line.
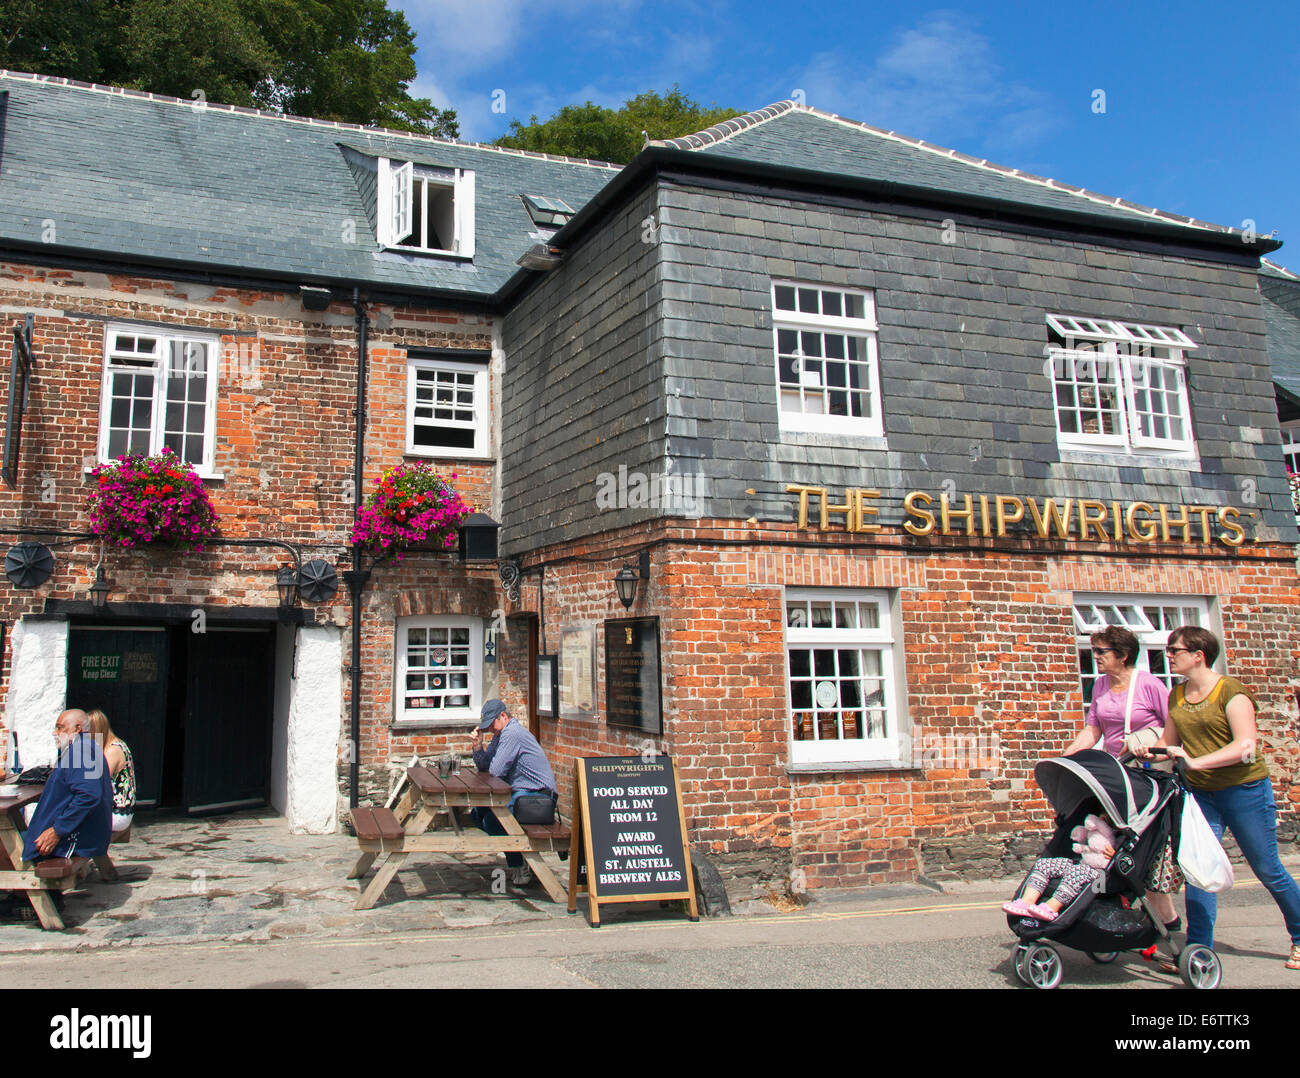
x=988, y=638
x=284, y=430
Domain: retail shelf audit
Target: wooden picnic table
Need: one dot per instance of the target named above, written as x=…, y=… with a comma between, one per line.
x=38, y=879
x=412, y=827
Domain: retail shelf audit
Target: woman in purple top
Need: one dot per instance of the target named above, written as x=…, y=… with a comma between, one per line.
x=1123, y=690
x=1116, y=650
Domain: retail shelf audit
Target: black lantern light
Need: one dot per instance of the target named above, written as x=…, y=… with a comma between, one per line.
x=99, y=589
x=478, y=538
x=286, y=583
x=625, y=580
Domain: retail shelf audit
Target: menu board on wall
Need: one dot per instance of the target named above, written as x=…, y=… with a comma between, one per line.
x=632, y=674
x=630, y=834
x=577, y=673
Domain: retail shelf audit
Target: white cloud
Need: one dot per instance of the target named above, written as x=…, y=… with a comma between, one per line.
x=940, y=81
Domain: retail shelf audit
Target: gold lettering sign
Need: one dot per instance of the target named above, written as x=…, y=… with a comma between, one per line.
x=1080, y=520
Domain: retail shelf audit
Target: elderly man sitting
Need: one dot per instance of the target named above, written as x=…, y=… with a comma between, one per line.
x=515, y=756
x=75, y=814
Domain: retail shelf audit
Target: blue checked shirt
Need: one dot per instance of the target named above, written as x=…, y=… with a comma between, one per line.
x=516, y=757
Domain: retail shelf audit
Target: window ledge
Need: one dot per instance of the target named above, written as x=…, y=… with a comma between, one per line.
x=413, y=725
x=426, y=252
x=1110, y=457
x=824, y=768
x=472, y=458
x=834, y=440
x=216, y=476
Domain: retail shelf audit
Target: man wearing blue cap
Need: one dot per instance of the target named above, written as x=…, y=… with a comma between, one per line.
x=514, y=756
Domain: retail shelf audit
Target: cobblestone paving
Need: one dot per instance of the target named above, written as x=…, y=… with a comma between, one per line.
x=245, y=877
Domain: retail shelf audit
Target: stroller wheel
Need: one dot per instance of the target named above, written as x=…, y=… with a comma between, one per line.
x=1043, y=966
x=1199, y=967
x=1103, y=957
x=1018, y=961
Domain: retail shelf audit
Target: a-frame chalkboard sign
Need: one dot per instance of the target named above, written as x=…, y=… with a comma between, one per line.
x=630, y=833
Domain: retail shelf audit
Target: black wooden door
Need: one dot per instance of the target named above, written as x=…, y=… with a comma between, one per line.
x=123, y=672
x=228, y=719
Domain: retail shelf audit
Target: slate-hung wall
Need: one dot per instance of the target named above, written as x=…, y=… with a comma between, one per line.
x=584, y=392
x=965, y=392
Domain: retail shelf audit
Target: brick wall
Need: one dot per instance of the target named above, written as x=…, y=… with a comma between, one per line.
x=284, y=444
x=988, y=644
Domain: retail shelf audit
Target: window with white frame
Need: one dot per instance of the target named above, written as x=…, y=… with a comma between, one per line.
x=826, y=367
x=159, y=391
x=841, y=676
x=427, y=209
x=1291, y=445
x=1120, y=386
x=1150, y=618
x=446, y=408
x=439, y=670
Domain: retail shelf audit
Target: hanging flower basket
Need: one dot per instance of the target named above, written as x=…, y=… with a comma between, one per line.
x=412, y=506
x=143, y=501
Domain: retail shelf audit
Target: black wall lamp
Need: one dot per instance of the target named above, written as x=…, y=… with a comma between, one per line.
x=99, y=589
x=286, y=583
x=625, y=580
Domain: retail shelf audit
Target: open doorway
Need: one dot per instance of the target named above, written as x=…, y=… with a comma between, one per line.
x=196, y=708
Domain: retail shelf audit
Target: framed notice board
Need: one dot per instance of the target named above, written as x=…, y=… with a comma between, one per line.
x=630, y=833
x=632, y=696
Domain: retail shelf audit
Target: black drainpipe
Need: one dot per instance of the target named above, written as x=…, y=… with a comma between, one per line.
x=356, y=577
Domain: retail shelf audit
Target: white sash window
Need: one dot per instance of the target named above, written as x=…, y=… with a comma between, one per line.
x=1120, y=386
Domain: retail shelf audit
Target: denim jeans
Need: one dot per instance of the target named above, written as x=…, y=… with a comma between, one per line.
x=487, y=821
x=1248, y=811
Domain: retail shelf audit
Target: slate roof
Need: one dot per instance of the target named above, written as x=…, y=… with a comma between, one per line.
x=1279, y=292
x=140, y=176
x=796, y=136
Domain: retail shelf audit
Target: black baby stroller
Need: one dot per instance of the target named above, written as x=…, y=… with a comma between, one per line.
x=1145, y=808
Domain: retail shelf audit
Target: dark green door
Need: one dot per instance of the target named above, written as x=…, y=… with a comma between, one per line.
x=228, y=719
x=123, y=672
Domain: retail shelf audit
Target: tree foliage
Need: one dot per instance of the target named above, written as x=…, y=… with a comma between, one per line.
x=590, y=130
x=348, y=60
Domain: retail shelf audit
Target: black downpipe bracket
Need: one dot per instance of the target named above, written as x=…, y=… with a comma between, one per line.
x=356, y=577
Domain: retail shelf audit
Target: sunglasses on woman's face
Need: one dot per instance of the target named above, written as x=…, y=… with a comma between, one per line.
x=1176, y=650
x=1104, y=651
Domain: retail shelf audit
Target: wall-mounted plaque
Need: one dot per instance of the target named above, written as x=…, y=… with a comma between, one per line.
x=577, y=673
x=632, y=674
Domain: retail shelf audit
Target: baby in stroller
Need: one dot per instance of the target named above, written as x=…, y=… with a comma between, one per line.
x=1094, y=846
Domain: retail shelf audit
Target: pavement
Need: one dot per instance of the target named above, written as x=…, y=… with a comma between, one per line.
x=244, y=879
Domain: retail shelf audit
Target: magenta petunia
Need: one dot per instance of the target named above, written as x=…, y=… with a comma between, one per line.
x=129, y=506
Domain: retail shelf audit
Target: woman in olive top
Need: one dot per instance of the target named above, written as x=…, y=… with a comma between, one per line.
x=1212, y=727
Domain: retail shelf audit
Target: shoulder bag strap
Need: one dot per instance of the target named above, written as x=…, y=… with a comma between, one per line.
x=1128, y=705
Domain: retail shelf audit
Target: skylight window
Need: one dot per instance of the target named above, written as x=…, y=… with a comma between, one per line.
x=547, y=212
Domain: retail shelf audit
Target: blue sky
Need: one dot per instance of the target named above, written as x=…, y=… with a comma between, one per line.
x=1201, y=99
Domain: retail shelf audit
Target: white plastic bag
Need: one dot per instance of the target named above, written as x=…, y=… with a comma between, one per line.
x=1199, y=854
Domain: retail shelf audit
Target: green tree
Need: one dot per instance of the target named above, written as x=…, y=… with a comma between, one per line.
x=348, y=60
x=589, y=130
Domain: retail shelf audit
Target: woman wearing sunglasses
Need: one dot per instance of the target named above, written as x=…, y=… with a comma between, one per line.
x=1212, y=727
x=1130, y=707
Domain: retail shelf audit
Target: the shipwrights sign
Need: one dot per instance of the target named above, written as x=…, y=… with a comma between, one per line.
x=993, y=515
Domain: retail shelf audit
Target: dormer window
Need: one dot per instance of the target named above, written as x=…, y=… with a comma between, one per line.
x=427, y=209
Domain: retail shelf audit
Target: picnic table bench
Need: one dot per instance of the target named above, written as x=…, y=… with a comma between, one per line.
x=38, y=879
x=411, y=826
